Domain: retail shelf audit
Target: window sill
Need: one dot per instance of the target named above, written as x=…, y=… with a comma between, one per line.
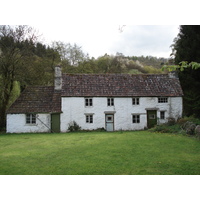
x=30, y=124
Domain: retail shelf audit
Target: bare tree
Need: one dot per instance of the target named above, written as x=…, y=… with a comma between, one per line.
x=73, y=54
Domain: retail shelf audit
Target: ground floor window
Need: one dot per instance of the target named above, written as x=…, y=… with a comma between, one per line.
x=89, y=119
x=162, y=114
x=136, y=119
x=30, y=118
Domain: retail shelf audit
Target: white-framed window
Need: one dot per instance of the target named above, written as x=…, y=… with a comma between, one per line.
x=162, y=99
x=162, y=114
x=110, y=101
x=136, y=118
x=136, y=101
x=89, y=118
x=30, y=118
x=88, y=102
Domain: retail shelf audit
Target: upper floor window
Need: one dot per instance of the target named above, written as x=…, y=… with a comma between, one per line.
x=162, y=100
x=30, y=118
x=110, y=101
x=136, y=101
x=88, y=102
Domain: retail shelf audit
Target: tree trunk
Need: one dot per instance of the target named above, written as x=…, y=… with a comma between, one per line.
x=2, y=116
x=8, y=86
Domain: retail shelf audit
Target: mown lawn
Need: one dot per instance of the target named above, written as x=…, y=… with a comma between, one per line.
x=136, y=153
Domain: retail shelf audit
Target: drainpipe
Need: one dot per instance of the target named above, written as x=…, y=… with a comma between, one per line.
x=37, y=116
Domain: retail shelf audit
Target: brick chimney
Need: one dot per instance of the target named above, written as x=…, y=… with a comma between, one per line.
x=173, y=74
x=58, y=78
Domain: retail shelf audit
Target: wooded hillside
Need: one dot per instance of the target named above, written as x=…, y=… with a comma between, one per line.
x=24, y=60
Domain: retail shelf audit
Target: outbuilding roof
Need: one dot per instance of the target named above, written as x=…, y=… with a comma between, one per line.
x=37, y=99
x=44, y=99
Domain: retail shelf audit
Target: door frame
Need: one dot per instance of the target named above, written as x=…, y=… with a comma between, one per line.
x=151, y=122
x=107, y=122
x=53, y=121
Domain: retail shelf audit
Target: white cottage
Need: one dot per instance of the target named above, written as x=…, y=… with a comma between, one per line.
x=110, y=101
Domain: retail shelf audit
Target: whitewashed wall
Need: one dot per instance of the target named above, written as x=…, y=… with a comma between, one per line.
x=16, y=123
x=74, y=109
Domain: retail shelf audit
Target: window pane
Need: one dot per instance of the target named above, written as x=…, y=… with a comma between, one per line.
x=86, y=119
x=162, y=115
x=136, y=101
x=90, y=102
x=136, y=118
x=28, y=120
x=108, y=101
x=162, y=100
x=86, y=102
x=33, y=119
x=89, y=118
x=152, y=116
x=112, y=102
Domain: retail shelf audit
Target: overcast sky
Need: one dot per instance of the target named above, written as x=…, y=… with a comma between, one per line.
x=151, y=26
x=131, y=40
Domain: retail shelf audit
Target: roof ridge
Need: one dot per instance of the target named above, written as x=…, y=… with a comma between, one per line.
x=28, y=86
x=114, y=74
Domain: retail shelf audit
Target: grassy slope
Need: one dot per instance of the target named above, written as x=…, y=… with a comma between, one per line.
x=99, y=153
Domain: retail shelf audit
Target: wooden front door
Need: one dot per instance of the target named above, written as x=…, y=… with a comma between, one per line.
x=55, y=122
x=151, y=118
x=109, y=122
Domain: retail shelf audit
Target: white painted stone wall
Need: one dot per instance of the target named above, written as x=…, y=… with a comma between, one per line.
x=74, y=109
x=16, y=123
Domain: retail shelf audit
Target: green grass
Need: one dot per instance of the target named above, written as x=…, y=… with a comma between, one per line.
x=136, y=153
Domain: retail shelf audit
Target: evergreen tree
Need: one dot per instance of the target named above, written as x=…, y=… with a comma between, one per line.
x=186, y=47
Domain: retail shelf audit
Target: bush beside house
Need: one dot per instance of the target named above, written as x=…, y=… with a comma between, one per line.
x=189, y=126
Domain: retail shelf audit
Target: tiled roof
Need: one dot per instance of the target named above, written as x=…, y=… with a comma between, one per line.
x=44, y=99
x=120, y=85
x=37, y=99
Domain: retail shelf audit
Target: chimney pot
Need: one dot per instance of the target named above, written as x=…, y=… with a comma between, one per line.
x=173, y=74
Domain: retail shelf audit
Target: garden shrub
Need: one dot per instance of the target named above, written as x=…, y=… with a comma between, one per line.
x=166, y=128
x=73, y=126
x=185, y=126
x=171, y=121
x=182, y=121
